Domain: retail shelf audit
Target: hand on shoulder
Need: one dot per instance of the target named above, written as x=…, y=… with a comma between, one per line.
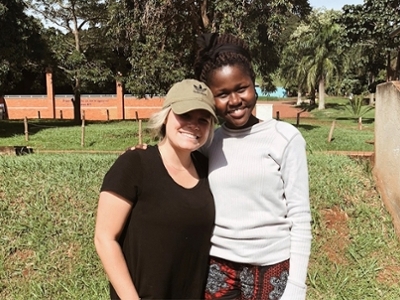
x=140, y=146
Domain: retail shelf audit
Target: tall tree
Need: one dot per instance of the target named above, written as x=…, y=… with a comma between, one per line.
x=292, y=74
x=22, y=50
x=158, y=37
x=370, y=25
x=317, y=45
x=325, y=63
x=73, y=36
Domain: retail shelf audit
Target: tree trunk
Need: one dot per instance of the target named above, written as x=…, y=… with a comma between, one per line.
x=203, y=11
x=298, y=97
x=312, y=98
x=77, y=101
x=371, y=80
x=397, y=72
x=321, y=93
x=388, y=67
x=371, y=98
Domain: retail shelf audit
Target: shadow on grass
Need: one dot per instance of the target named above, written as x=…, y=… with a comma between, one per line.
x=308, y=127
x=355, y=120
x=312, y=107
x=10, y=128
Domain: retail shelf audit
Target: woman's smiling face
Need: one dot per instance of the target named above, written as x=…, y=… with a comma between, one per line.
x=188, y=131
x=235, y=96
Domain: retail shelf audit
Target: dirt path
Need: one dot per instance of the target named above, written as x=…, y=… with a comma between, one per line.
x=287, y=109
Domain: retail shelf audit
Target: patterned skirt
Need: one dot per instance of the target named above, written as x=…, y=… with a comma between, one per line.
x=230, y=280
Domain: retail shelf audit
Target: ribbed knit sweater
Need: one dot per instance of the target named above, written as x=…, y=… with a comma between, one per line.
x=259, y=180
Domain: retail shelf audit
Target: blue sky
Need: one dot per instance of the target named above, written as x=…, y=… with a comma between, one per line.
x=333, y=4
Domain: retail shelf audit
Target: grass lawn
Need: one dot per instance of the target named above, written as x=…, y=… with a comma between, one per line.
x=48, y=204
x=65, y=135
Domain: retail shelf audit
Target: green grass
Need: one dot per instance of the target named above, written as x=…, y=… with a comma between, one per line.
x=47, y=210
x=346, y=134
x=58, y=135
x=48, y=204
x=354, y=252
x=341, y=109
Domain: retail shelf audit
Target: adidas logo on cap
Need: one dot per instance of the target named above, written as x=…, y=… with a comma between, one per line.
x=199, y=89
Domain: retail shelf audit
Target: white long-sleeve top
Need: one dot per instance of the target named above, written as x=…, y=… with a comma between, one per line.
x=259, y=180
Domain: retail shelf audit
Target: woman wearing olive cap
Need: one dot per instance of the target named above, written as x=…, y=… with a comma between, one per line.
x=155, y=212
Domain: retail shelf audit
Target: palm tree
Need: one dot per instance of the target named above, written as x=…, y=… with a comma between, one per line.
x=313, y=55
x=292, y=74
x=325, y=57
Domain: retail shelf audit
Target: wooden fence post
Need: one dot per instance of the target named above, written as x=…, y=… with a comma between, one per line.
x=331, y=131
x=298, y=119
x=140, y=132
x=26, y=129
x=83, y=129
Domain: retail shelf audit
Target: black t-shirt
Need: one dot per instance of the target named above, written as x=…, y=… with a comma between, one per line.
x=166, y=239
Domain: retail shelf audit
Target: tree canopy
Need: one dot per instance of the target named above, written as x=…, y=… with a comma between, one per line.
x=370, y=25
x=76, y=41
x=158, y=37
x=150, y=44
x=353, y=47
x=23, y=52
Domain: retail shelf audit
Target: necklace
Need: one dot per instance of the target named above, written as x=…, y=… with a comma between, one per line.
x=168, y=165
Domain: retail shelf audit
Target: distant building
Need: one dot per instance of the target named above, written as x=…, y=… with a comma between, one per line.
x=280, y=92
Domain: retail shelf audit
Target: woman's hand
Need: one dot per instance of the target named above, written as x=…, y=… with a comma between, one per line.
x=140, y=146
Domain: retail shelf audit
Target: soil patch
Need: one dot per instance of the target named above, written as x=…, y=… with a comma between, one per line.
x=335, y=221
x=389, y=274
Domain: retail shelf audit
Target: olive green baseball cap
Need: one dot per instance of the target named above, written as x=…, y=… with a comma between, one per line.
x=188, y=95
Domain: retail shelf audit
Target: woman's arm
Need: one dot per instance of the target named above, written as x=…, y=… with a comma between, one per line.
x=295, y=176
x=112, y=214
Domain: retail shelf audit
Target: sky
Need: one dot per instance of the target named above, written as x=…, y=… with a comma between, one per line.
x=333, y=4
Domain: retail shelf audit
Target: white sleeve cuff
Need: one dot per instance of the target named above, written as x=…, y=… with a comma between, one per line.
x=294, y=291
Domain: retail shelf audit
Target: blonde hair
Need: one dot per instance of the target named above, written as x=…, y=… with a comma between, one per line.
x=157, y=124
